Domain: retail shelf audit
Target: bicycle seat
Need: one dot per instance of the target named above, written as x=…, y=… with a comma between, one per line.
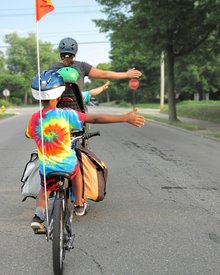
x=58, y=174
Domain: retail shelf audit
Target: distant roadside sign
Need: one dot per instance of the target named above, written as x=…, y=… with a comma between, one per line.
x=134, y=83
x=6, y=92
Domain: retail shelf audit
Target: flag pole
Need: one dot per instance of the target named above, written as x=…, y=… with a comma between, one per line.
x=41, y=127
x=42, y=8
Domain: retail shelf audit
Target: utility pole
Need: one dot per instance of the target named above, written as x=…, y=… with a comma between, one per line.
x=162, y=82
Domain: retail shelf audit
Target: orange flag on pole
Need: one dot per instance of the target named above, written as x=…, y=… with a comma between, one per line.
x=42, y=8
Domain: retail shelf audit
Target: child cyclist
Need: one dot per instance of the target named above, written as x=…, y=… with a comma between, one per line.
x=56, y=126
x=94, y=92
x=71, y=75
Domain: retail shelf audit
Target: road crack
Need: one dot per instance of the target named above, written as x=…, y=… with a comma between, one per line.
x=93, y=259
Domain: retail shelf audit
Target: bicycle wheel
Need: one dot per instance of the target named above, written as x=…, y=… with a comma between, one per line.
x=58, y=236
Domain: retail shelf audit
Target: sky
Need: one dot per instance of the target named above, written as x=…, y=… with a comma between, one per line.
x=71, y=18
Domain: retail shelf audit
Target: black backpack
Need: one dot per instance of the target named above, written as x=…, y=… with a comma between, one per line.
x=72, y=98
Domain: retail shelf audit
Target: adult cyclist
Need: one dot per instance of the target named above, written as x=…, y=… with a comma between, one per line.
x=68, y=48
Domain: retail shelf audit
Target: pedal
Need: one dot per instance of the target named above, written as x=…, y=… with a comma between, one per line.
x=69, y=244
x=40, y=231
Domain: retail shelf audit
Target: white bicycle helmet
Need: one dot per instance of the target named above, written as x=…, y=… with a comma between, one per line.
x=52, y=85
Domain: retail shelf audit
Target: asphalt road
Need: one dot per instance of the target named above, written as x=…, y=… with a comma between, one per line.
x=161, y=214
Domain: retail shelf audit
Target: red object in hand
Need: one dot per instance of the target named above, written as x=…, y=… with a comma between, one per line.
x=134, y=83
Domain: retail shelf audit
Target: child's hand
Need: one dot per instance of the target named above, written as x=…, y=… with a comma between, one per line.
x=135, y=119
x=105, y=86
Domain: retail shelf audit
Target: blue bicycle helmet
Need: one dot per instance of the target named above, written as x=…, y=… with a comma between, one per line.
x=68, y=45
x=52, y=85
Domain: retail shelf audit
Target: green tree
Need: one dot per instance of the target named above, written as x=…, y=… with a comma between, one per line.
x=110, y=93
x=2, y=62
x=21, y=59
x=199, y=72
x=176, y=27
x=15, y=84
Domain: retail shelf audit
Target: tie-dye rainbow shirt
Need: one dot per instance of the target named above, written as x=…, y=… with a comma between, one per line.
x=57, y=125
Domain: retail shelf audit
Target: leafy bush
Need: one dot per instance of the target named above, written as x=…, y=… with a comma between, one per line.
x=17, y=101
x=4, y=102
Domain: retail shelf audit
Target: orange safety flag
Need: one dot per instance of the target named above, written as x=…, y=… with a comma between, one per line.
x=42, y=8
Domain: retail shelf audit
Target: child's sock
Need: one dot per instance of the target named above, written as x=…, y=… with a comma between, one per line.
x=40, y=212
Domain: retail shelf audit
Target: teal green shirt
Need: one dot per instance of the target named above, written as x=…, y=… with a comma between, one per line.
x=86, y=96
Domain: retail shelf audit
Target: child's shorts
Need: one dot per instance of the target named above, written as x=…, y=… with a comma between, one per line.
x=52, y=184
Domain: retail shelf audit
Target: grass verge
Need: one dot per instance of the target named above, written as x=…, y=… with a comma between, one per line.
x=187, y=126
x=5, y=115
x=203, y=110
x=180, y=124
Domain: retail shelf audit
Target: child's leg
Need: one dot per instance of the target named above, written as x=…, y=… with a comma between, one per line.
x=39, y=217
x=79, y=204
x=77, y=187
x=41, y=204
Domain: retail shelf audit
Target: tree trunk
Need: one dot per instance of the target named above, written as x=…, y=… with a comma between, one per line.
x=25, y=97
x=107, y=96
x=171, y=84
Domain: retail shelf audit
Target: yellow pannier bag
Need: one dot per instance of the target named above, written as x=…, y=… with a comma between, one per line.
x=94, y=173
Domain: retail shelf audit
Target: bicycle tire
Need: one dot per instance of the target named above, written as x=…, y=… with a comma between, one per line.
x=58, y=237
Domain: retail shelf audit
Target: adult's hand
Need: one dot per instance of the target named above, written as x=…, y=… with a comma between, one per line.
x=133, y=73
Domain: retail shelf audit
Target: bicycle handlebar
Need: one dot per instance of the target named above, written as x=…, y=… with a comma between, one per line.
x=85, y=136
x=89, y=135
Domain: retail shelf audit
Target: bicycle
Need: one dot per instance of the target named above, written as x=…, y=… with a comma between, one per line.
x=59, y=226
x=60, y=222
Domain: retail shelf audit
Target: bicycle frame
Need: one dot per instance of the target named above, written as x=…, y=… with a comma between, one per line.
x=59, y=229
x=63, y=193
